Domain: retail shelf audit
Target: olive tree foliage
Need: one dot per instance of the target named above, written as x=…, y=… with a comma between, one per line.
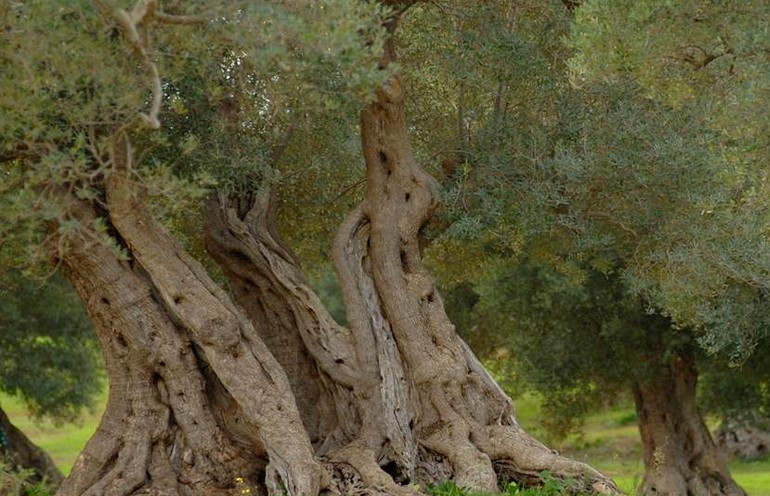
x=48, y=352
x=586, y=138
x=621, y=188
x=545, y=316
x=607, y=172
x=709, y=57
x=70, y=77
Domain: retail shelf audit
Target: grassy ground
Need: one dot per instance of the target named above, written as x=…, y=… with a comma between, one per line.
x=61, y=442
x=610, y=443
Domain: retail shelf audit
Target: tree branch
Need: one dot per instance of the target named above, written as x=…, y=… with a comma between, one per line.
x=144, y=11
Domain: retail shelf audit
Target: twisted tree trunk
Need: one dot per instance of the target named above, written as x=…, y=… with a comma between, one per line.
x=359, y=375
x=412, y=402
x=680, y=456
x=196, y=398
x=204, y=393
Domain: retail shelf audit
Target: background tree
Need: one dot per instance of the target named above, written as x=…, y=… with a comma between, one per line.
x=738, y=395
x=48, y=358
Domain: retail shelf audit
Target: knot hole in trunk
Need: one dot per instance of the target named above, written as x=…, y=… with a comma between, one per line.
x=385, y=161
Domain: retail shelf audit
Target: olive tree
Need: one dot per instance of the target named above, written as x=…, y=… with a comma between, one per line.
x=118, y=117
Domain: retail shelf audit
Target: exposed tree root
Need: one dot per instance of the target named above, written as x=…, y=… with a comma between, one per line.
x=364, y=461
x=524, y=458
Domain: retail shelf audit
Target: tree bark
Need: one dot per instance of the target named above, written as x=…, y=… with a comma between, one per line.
x=412, y=401
x=462, y=415
x=680, y=456
x=358, y=375
x=196, y=399
x=744, y=439
x=165, y=428
x=21, y=453
x=266, y=282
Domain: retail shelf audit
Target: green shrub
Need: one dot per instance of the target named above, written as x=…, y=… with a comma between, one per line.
x=552, y=486
x=19, y=482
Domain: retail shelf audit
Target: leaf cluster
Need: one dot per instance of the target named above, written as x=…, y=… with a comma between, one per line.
x=234, y=86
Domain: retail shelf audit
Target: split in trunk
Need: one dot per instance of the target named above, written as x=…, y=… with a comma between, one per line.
x=412, y=401
x=196, y=399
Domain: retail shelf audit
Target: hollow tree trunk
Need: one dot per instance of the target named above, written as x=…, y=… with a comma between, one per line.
x=21, y=453
x=680, y=456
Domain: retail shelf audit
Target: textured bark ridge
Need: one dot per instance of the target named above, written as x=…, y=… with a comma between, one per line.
x=160, y=433
x=196, y=398
x=359, y=374
x=461, y=416
x=411, y=401
x=19, y=452
x=680, y=455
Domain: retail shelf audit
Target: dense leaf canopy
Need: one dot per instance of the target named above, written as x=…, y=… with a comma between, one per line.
x=48, y=351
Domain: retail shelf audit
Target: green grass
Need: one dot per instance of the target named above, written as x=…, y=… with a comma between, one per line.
x=62, y=442
x=610, y=443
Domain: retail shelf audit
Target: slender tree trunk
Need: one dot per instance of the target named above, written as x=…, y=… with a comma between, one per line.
x=21, y=453
x=680, y=456
x=462, y=415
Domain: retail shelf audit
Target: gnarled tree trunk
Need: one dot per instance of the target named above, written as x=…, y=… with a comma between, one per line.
x=461, y=415
x=412, y=401
x=359, y=374
x=196, y=399
x=680, y=456
x=744, y=439
x=202, y=392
